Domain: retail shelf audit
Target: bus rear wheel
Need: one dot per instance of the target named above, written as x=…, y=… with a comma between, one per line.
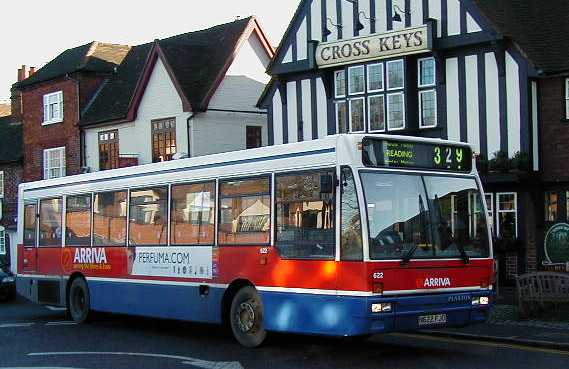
x=246, y=317
x=79, y=301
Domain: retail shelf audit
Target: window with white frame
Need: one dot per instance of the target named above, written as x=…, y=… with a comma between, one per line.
x=507, y=214
x=370, y=97
x=2, y=241
x=490, y=207
x=427, y=92
x=1, y=185
x=566, y=98
x=53, y=107
x=54, y=163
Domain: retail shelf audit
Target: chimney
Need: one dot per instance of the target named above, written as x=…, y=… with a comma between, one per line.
x=22, y=73
x=32, y=71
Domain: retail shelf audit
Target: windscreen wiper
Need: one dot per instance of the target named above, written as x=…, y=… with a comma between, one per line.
x=407, y=257
x=443, y=227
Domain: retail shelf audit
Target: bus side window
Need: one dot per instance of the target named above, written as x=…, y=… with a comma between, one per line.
x=78, y=221
x=193, y=214
x=109, y=219
x=351, y=247
x=245, y=212
x=148, y=217
x=51, y=222
x=305, y=226
x=30, y=224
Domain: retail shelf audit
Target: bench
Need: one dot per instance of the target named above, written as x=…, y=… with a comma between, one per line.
x=540, y=288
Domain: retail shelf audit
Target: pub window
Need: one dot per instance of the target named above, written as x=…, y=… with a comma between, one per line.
x=341, y=117
x=245, y=209
x=305, y=216
x=30, y=223
x=2, y=241
x=375, y=77
x=356, y=80
x=50, y=222
x=163, y=139
x=567, y=204
x=253, y=137
x=357, y=115
x=489, y=197
x=376, y=114
x=507, y=214
x=78, y=221
x=567, y=98
x=396, y=111
x=427, y=93
x=1, y=185
x=193, y=214
x=350, y=223
x=340, y=83
x=551, y=203
x=382, y=106
x=109, y=219
x=148, y=216
x=108, y=150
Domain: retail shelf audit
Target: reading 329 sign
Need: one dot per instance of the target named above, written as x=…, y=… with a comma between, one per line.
x=380, y=46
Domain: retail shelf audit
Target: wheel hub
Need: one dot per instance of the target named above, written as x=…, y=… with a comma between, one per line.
x=246, y=316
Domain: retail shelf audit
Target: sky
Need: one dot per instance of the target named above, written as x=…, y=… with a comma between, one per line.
x=34, y=32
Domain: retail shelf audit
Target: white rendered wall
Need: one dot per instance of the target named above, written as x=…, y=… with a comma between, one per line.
x=216, y=132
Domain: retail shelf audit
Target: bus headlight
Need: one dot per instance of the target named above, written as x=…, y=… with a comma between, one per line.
x=381, y=308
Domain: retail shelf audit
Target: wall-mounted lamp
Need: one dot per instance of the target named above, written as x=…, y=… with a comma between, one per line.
x=327, y=31
x=359, y=25
x=396, y=16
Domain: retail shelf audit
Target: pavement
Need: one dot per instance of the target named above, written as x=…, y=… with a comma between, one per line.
x=550, y=330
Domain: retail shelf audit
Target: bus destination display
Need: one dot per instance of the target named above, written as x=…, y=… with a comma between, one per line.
x=416, y=155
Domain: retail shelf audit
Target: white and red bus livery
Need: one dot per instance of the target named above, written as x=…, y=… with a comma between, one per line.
x=347, y=235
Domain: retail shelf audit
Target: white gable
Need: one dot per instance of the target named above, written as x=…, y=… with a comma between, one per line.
x=245, y=79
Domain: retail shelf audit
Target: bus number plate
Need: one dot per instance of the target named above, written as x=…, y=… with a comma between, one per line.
x=432, y=319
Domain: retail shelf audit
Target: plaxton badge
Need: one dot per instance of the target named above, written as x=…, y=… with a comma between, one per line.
x=379, y=46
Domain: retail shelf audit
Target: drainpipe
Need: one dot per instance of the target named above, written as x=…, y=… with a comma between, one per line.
x=192, y=115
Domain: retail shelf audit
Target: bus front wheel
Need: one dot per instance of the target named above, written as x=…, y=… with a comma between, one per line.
x=79, y=300
x=246, y=317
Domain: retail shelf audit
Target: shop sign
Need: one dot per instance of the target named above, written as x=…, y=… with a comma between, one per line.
x=557, y=243
x=378, y=46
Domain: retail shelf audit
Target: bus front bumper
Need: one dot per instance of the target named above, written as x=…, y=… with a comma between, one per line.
x=356, y=315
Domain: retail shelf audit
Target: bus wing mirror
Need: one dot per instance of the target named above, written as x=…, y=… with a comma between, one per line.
x=327, y=183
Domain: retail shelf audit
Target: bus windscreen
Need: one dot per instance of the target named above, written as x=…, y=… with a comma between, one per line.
x=382, y=153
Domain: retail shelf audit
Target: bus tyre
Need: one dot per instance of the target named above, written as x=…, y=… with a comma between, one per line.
x=246, y=317
x=79, y=300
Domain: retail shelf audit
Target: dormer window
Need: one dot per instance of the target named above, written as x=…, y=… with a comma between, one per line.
x=53, y=108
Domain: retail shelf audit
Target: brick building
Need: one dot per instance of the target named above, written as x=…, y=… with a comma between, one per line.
x=52, y=101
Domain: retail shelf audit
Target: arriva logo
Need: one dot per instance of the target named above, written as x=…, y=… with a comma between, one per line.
x=436, y=282
x=90, y=256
